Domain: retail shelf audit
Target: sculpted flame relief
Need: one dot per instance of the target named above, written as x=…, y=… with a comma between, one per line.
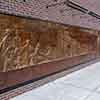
x=25, y=42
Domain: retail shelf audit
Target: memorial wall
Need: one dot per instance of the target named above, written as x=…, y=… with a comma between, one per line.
x=26, y=42
x=38, y=39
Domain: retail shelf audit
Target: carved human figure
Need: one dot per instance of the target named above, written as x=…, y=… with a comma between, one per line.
x=17, y=58
x=5, y=45
x=27, y=49
x=17, y=51
x=34, y=54
x=6, y=41
x=8, y=59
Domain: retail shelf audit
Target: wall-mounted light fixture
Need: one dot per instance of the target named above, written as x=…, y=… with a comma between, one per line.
x=76, y=6
x=94, y=15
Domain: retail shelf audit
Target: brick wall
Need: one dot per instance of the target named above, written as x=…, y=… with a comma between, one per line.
x=37, y=9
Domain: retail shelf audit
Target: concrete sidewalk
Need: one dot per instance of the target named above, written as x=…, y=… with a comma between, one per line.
x=83, y=84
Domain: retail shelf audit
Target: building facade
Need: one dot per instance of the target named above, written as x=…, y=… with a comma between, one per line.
x=52, y=10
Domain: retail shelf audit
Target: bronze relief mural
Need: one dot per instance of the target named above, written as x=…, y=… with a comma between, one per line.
x=26, y=42
x=32, y=49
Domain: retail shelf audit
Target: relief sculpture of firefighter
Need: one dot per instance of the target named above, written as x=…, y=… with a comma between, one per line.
x=26, y=43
